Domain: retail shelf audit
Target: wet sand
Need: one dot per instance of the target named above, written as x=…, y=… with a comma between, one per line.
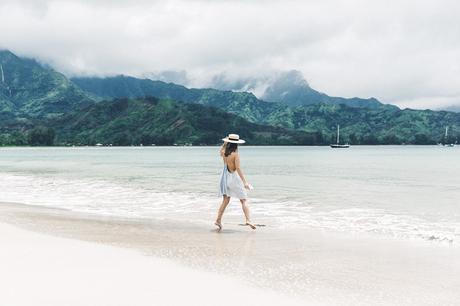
x=323, y=267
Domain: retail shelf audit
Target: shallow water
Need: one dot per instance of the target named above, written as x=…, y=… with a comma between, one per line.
x=408, y=192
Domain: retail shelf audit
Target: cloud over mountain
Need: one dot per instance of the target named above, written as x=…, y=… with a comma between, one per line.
x=405, y=52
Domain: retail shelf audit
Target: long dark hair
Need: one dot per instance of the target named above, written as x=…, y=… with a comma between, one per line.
x=230, y=148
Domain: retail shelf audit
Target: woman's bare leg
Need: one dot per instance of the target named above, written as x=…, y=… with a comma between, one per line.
x=220, y=213
x=247, y=214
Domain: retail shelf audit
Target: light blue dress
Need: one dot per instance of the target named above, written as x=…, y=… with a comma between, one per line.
x=231, y=184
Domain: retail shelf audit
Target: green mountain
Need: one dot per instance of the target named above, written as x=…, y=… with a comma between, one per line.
x=379, y=124
x=292, y=89
x=27, y=89
x=40, y=106
x=165, y=122
x=241, y=103
x=370, y=126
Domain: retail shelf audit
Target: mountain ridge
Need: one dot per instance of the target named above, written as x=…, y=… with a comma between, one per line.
x=28, y=88
x=41, y=97
x=150, y=120
x=381, y=124
x=291, y=88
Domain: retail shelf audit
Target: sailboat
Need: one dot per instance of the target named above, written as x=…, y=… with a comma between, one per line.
x=445, y=139
x=338, y=145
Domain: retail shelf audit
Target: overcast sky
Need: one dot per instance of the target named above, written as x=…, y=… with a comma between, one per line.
x=401, y=52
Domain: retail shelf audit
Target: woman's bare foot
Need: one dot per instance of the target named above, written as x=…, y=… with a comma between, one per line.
x=219, y=225
x=251, y=225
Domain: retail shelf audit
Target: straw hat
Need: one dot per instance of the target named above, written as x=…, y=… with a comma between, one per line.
x=234, y=138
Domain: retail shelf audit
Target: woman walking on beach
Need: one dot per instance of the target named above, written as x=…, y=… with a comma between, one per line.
x=232, y=181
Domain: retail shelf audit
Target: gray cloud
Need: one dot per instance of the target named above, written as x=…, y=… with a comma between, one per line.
x=403, y=52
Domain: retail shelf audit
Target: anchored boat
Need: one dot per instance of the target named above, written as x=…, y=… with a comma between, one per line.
x=338, y=145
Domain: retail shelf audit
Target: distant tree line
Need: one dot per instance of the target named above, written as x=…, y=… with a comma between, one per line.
x=46, y=136
x=125, y=122
x=38, y=136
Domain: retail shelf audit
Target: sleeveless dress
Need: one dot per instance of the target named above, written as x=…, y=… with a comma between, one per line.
x=231, y=184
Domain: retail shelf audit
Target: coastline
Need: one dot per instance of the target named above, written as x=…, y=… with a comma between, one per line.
x=308, y=266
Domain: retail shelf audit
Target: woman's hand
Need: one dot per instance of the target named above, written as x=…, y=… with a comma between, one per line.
x=247, y=186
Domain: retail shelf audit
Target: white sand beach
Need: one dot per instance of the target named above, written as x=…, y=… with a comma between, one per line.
x=59, y=257
x=38, y=269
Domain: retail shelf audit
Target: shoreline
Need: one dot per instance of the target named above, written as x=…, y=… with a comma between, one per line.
x=306, y=265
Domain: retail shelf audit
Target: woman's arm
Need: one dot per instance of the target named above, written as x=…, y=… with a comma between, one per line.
x=222, y=149
x=240, y=172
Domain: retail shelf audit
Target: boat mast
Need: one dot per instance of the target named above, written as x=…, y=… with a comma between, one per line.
x=445, y=135
x=338, y=133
